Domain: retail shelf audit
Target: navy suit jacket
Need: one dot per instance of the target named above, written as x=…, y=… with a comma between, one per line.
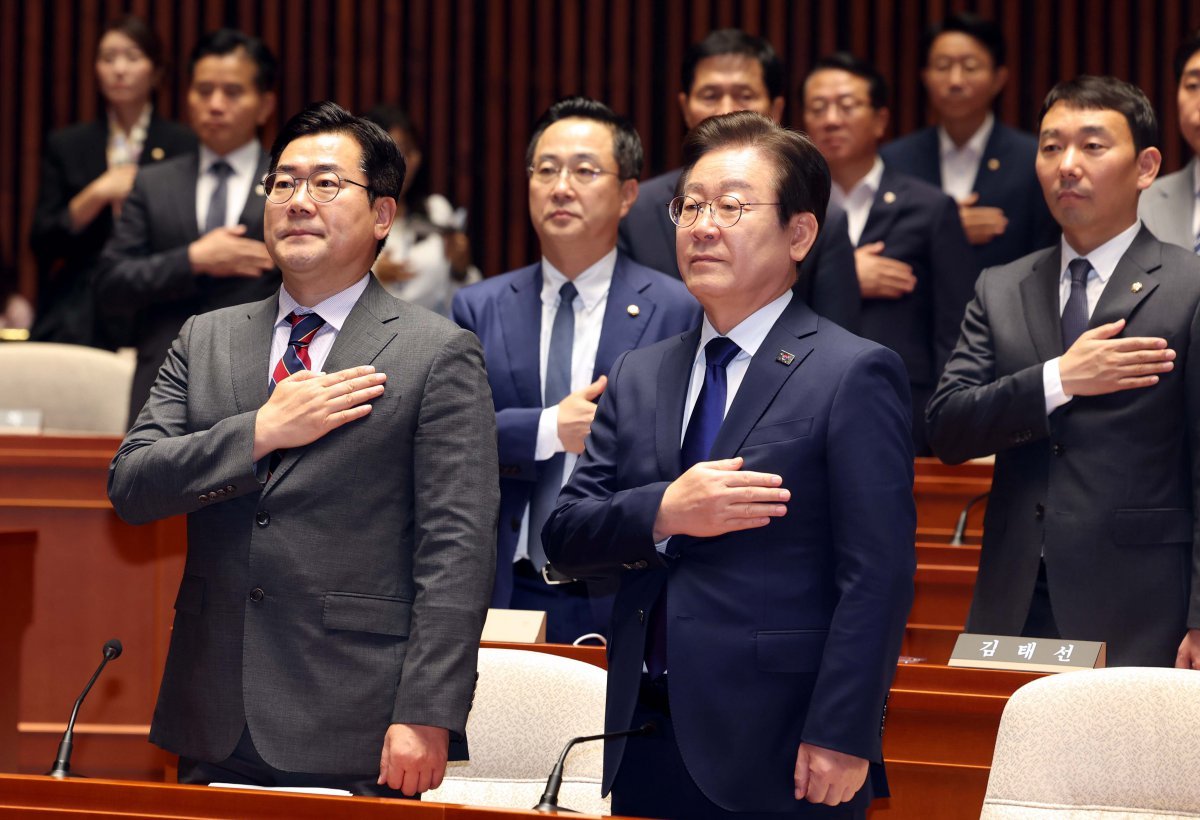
x=505, y=312
x=1006, y=179
x=779, y=635
x=826, y=278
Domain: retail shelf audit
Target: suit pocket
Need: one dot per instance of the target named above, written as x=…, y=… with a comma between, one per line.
x=190, y=598
x=779, y=432
x=1161, y=526
x=789, y=650
x=377, y=614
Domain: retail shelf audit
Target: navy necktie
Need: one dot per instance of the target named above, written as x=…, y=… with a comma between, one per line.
x=556, y=388
x=1075, y=312
x=295, y=355
x=220, y=196
x=702, y=431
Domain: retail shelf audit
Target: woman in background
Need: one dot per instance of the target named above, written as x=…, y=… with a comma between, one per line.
x=87, y=171
x=427, y=256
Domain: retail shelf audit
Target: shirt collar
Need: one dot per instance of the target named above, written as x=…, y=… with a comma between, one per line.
x=1196, y=177
x=592, y=283
x=1103, y=259
x=333, y=310
x=244, y=160
x=751, y=332
x=974, y=147
x=868, y=184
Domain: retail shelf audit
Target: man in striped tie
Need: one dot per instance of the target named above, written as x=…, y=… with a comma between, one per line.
x=334, y=450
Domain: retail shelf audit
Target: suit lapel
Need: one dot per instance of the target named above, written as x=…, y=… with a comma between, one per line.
x=674, y=373
x=93, y=151
x=1131, y=281
x=663, y=219
x=884, y=208
x=185, y=195
x=994, y=167
x=1039, y=295
x=622, y=328
x=252, y=213
x=520, y=310
x=928, y=158
x=794, y=332
x=250, y=352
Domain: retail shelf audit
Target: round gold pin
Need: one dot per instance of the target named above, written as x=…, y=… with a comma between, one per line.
x=889, y=197
x=157, y=153
x=993, y=164
x=1136, y=287
x=633, y=310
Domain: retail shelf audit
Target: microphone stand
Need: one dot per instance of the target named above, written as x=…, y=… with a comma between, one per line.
x=62, y=763
x=960, y=528
x=549, y=802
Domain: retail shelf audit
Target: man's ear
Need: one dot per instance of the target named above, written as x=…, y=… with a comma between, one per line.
x=802, y=234
x=1148, y=164
x=385, y=212
x=629, y=195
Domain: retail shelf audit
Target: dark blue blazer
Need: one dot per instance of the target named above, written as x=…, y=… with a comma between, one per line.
x=826, y=281
x=776, y=635
x=505, y=312
x=1006, y=180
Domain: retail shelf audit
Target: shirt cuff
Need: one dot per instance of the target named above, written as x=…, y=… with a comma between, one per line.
x=1052, y=386
x=547, y=435
x=661, y=546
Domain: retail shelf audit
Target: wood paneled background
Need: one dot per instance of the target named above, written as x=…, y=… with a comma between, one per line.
x=477, y=73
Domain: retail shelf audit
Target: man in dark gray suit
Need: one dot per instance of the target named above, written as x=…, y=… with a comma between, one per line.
x=334, y=449
x=190, y=234
x=1169, y=209
x=1074, y=367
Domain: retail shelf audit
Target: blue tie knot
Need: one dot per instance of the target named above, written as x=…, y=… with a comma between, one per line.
x=567, y=293
x=720, y=351
x=1079, y=268
x=304, y=327
x=220, y=169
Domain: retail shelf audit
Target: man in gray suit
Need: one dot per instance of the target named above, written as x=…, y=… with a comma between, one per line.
x=334, y=450
x=1074, y=366
x=1169, y=209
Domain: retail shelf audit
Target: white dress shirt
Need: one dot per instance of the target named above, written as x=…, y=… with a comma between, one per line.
x=592, y=286
x=1104, y=261
x=960, y=166
x=1195, y=206
x=857, y=202
x=333, y=310
x=238, y=185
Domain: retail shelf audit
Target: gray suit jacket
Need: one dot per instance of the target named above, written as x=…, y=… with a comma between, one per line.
x=1167, y=208
x=1106, y=487
x=347, y=592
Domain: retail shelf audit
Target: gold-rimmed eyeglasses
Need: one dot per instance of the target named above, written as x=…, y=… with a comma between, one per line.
x=322, y=187
x=548, y=173
x=726, y=210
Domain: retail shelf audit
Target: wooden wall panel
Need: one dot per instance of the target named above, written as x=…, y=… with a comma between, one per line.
x=475, y=74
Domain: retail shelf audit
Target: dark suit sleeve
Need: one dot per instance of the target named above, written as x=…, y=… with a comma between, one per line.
x=161, y=468
x=457, y=500
x=1192, y=393
x=954, y=275
x=132, y=273
x=516, y=427
x=830, y=274
x=51, y=218
x=597, y=527
x=973, y=413
x=873, y=515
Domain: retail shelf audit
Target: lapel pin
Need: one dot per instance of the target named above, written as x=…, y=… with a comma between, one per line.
x=260, y=190
x=1136, y=287
x=157, y=153
x=889, y=197
x=993, y=164
x=633, y=310
x=785, y=358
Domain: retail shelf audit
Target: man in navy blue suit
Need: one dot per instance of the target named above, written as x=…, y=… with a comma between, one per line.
x=915, y=268
x=983, y=164
x=550, y=334
x=730, y=70
x=750, y=485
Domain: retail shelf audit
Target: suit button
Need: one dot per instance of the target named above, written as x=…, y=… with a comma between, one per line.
x=256, y=595
x=230, y=488
x=1039, y=512
x=220, y=493
x=641, y=616
x=263, y=518
x=515, y=523
x=639, y=565
x=1058, y=449
x=203, y=498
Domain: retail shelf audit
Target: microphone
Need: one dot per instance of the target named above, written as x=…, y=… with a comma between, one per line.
x=62, y=763
x=960, y=528
x=549, y=801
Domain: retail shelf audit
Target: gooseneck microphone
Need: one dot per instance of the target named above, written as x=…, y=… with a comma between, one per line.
x=549, y=802
x=960, y=528
x=62, y=763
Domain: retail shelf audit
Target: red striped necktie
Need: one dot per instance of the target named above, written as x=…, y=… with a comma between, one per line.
x=295, y=355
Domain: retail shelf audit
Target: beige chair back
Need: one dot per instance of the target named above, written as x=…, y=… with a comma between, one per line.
x=78, y=389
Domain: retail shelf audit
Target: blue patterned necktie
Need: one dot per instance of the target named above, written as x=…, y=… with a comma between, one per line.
x=556, y=388
x=295, y=355
x=1075, y=312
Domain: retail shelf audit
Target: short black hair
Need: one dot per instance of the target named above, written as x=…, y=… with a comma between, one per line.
x=980, y=29
x=801, y=173
x=144, y=37
x=877, y=87
x=226, y=41
x=1090, y=93
x=627, y=145
x=735, y=41
x=1184, y=53
x=381, y=162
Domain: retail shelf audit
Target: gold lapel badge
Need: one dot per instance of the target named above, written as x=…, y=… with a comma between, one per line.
x=993, y=164
x=785, y=358
x=633, y=311
x=157, y=153
x=889, y=197
x=1136, y=287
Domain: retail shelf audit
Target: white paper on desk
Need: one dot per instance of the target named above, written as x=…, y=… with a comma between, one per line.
x=296, y=789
